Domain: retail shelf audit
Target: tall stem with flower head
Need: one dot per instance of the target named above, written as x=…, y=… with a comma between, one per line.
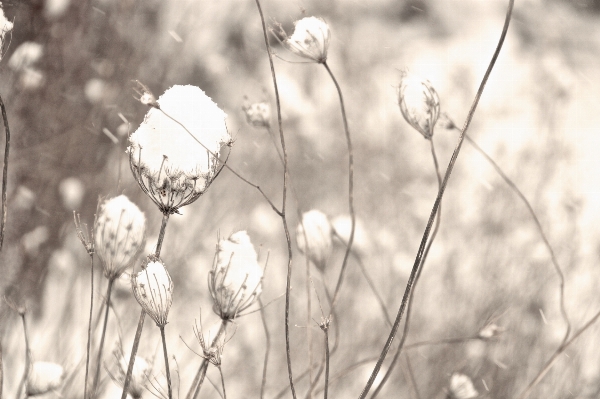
x=101, y=347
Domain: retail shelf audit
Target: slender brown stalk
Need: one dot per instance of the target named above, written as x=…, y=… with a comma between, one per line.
x=134, y=349
x=350, y=187
x=438, y=219
x=268, y=349
x=23, y=384
x=434, y=211
x=101, y=347
x=1, y=370
x=167, y=369
x=89, y=337
x=548, y=365
x=538, y=225
x=282, y=213
x=308, y=318
x=199, y=379
x=4, y=173
x=161, y=235
x=325, y=327
x=222, y=382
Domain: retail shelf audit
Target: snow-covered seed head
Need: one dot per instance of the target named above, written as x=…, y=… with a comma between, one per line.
x=119, y=235
x=461, y=387
x=174, y=154
x=419, y=104
x=314, y=237
x=258, y=114
x=235, y=280
x=139, y=377
x=153, y=289
x=44, y=377
x=310, y=39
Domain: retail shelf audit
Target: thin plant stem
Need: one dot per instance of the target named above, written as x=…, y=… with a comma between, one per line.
x=1, y=370
x=4, y=174
x=548, y=365
x=268, y=349
x=199, y=378
x=222, y=382
x=308, y=318
x=167, y=369
x=342, y=373
x=102, y=337
x=436, y=205
x=350, y=187
x=325, y=328
x=441, y=342
x=538, y=225
x=134, y=349
x=89, y=337
x=140, y=327
x=282, y=213
x=161, y=235
x=434, y=233
x=23, y=384
x=410, y=377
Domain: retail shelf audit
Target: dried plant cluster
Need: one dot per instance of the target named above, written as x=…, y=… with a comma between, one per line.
x=178, y=151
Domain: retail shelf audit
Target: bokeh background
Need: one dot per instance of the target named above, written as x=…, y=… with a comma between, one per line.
x=70, y=106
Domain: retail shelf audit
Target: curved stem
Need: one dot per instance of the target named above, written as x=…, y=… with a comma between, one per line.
x=167, y=370
x=538, y=225
x=4, y=173
x=438, y=219
x=89, y=337
x=283, y=206
x=436, y=205
x=350, y=187
x=100, y=349
x=23, y=384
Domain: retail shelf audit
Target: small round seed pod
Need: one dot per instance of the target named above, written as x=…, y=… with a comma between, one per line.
x=419, y=104
x=153, y=289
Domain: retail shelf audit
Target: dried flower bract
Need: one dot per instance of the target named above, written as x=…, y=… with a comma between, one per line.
x=235, y=280
x=419, y=104
x=153, y=289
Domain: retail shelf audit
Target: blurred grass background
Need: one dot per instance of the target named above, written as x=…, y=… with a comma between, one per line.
x=537, y=119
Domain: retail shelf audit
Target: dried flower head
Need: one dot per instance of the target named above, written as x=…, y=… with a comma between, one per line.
x=419, y=104
x=461, y=387
x=258, y=114
x=310, y=39
x=119, y=234
x=314, y=236
x=153, y=289
x=235, y=280
x=174, y=154
x=44, y=377
x=145, y=96
x=5, y=27
x=139, y=377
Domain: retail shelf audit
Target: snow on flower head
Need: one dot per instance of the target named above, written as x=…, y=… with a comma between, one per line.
x=119, y=234
x=235, y=280
x=310, y=39
x=153, y=289
x=313, y=236
x=419, y=104
x=44, y=377
x=174, y=153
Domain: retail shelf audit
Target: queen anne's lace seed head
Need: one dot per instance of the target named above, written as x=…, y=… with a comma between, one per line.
x=310, y=39
x=119, y=234
x=419, y=104
x=314, y=236
x=153, y=289
x=235, y=280
x=174, y=154
x=258, y=114
x=461, y=387
x=5, y=27
x=44, y=377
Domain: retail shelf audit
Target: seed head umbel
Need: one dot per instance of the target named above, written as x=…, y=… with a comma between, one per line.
x=314, y=237
x=235, y=281
x=258, y=114
x=174, y=154
x=419, y=104
x=461, y=387
x=310, y=39
x=44, y=377
x=119, y=235
x=153, y=289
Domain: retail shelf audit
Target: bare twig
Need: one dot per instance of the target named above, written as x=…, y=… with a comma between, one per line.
x=4, y=173
x=134, y=349
x=199, y=378
x=268, y=349
x=28, y=360
x=434, y=211
x=167, y=369
x=101, y=347
x=89, y=338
